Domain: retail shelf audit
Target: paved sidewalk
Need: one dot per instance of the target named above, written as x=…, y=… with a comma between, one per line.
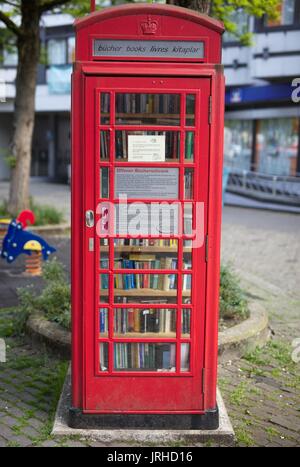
x=261, y=391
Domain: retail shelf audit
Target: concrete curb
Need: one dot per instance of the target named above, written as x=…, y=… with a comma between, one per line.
x=48, y=230
x=246, y=336
x=233, y=343
x=223, y=435
x=52, y=335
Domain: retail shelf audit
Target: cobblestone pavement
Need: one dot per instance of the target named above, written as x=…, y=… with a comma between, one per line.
x=261, y=391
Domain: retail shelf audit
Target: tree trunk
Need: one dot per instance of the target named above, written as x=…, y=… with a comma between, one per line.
x=203, y=6
x=28, y=58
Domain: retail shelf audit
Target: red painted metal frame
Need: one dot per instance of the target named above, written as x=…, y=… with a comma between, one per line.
x=83, y=197
x=93, y=381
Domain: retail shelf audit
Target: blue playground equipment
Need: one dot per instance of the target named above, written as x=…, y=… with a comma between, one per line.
x=19, y=241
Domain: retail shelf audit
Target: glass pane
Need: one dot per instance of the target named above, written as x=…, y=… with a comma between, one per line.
x=171, y=146
x=104, y=145
x=190, y=109
x=57, y=52
x=188, y=219
x=104, y=254
x=186, y=322
x=189, y=146
x=104, y=288
x=133, y=322
x=145, y=357
x=104, y=182
x=71, y=49
x=189, y=183
x=145, y=288
x=105, y=109
x=185, y=357
x=187, y=258
x=146, y=254
x=148, y=109
x=278, y=146
x=186, y=288
x=103, y=356
x=103, y=322
x=238, y=144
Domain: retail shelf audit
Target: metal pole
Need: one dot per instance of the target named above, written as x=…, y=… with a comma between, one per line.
x=93, y=6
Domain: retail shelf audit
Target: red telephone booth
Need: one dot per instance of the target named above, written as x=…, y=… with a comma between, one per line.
x=147, y=136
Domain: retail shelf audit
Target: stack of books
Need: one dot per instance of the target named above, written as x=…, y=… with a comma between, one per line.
x=188, y=184
x=136, y=320
x=146, y=242
x=145, y=357
x=148, y=103
x=189, y=146
x=104, y=145
x=186, y=321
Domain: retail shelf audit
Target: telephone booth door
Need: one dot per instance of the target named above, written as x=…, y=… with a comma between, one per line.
x=146, y=139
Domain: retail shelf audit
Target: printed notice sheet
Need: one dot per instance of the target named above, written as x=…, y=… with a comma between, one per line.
x=146, y=148
x=147, y=182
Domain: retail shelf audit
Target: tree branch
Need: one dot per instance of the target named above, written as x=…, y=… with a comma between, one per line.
x=48, y=5
x=10, y=24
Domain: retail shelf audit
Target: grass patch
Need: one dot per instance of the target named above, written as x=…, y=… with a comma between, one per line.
x=44, y=214
x=243, y=437
x=239, y=394
x=12, y=322
x=233, y=302
x=274, y=350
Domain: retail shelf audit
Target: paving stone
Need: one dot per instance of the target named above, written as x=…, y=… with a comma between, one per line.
x=21, y=440
x=3, y=442
x=75, y=444
x=50, y=444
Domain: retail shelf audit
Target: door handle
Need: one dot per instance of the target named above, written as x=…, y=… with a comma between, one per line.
x=90, y=219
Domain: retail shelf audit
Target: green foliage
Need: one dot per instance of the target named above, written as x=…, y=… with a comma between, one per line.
x=233, y=304
x=225, y=11
x=45, y=215
x=12, y=322
x=218, y=8
x=54, y=301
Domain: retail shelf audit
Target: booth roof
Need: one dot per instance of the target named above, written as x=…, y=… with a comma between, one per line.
x=170, y=10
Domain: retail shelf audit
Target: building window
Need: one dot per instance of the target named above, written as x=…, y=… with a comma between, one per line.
x=57, y=52
x=71, y=50
x=10, y=56
x=61, y=51
x=277, y=146
x=241, y=19
x=238, y=144
x=286, y=14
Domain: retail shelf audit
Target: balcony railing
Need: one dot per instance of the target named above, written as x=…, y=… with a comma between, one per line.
x=271, y=188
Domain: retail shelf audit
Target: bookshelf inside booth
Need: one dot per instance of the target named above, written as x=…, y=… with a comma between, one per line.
x=146, y=307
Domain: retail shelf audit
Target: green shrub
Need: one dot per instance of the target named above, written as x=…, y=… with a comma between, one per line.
x=54, y=301
x=44, y=215
x=233, y=303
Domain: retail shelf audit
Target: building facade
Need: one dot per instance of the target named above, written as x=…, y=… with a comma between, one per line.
x=262, y=120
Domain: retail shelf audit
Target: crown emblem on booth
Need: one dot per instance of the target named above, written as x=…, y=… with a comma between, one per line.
x=150, y=26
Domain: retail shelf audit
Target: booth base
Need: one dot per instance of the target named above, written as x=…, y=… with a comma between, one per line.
x=207, y=421
x=149, y=430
